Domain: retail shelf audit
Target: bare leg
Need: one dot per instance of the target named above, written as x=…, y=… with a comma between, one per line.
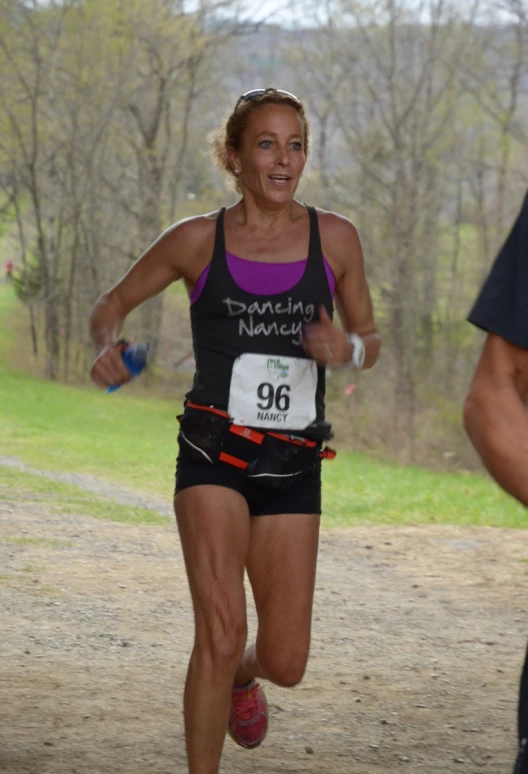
x=214, y=528
x=281, y=568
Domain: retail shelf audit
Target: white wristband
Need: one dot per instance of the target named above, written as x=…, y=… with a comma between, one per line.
x=357, y=361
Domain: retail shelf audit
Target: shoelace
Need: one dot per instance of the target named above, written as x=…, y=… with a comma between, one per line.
x=245, y=704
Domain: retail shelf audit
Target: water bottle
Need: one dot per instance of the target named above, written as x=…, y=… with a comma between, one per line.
x=135, y=358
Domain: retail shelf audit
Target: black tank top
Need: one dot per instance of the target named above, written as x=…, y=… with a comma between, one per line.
x=227, y=321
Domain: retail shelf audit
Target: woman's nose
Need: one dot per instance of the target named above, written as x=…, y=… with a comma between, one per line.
x=283, y=156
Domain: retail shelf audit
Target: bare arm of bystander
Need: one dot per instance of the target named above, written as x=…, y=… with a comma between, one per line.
x=495, y=414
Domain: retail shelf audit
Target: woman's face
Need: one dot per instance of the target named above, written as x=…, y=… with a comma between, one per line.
x=272, y=158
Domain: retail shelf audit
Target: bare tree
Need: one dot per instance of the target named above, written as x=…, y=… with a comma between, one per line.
x=29, y=53
x=391, y=78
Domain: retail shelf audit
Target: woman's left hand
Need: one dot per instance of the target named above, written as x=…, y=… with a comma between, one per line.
x=325, y=343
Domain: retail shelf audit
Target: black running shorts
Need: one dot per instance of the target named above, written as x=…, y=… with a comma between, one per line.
x=302, y=497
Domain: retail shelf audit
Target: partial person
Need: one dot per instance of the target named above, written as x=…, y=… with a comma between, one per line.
x=261, y=275
x=495, y=415
x=9, y=268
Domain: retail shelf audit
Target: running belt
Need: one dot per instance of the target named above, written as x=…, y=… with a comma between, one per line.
x=257, y=437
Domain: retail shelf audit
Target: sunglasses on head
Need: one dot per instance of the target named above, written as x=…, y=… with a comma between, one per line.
x=256, y=93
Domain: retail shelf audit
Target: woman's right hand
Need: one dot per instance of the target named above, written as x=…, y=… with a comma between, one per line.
x=109, y=368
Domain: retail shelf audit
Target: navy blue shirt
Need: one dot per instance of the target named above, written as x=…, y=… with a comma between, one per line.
x=502, y=305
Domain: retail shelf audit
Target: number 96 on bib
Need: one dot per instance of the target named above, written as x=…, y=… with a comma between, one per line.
x=273, y=392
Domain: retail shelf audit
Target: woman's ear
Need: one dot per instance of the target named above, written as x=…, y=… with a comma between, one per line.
x=233, y=161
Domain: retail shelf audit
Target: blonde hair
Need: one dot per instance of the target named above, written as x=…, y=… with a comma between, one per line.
x=229, y=136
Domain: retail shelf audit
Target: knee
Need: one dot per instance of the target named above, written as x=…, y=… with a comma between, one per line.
x=285, y=669
x=222, y=644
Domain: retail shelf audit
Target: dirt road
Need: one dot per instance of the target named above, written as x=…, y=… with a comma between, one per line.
x=418, y=640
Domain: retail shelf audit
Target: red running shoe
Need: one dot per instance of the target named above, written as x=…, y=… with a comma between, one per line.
x=248, y=722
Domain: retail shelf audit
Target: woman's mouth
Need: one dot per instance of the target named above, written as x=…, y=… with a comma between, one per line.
x=280, y=179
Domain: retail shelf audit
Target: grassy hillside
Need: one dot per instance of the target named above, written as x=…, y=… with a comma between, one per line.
x=130, y=438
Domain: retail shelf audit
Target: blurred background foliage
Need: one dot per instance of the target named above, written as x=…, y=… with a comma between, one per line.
x=418, y=114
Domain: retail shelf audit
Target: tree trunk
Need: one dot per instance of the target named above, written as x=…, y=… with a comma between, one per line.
x=149, y=229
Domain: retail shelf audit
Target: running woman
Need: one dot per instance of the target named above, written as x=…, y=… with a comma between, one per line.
x=261, y=275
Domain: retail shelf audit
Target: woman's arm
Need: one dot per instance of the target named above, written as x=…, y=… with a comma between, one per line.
x=342, y=249
x=353, y=300
x=495, y=416
x=168, y=259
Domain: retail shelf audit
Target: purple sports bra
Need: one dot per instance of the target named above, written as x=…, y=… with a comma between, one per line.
x=263, y=279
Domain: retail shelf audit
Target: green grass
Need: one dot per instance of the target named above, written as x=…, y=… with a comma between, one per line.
x=118, y=437
x=359, y=490
x=131, y=439
x=65, y=498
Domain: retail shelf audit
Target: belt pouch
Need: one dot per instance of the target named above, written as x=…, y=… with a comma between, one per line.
x=281, y=463
x=202, y=434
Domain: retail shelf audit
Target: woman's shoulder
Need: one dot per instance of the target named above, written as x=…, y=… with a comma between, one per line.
x=191, y=235
x=186, y=243
x=339, y=236
x=195, y=227
x=335, y=223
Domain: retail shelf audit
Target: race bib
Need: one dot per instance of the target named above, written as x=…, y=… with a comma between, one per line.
x=273, y=392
